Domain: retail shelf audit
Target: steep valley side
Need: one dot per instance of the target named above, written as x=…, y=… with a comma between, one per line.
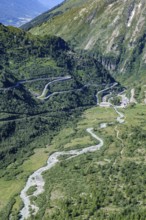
x=112, y=31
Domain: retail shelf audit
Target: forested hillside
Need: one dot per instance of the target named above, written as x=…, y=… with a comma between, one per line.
x=28, y=63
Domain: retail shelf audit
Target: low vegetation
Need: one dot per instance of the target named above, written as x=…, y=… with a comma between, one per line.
x=109, y=183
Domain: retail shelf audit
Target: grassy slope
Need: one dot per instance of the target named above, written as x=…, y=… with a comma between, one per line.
x=84, y=23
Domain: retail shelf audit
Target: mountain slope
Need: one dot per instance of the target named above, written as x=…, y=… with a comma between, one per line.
x=114, y=31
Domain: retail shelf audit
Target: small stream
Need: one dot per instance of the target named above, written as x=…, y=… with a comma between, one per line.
x=37, y=180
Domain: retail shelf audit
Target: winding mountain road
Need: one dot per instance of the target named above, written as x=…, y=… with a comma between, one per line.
x=106, y=89
x=28, y=81
x=42, y=96
x=62, y=92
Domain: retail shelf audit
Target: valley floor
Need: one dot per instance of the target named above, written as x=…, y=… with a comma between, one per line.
x=105, y=183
